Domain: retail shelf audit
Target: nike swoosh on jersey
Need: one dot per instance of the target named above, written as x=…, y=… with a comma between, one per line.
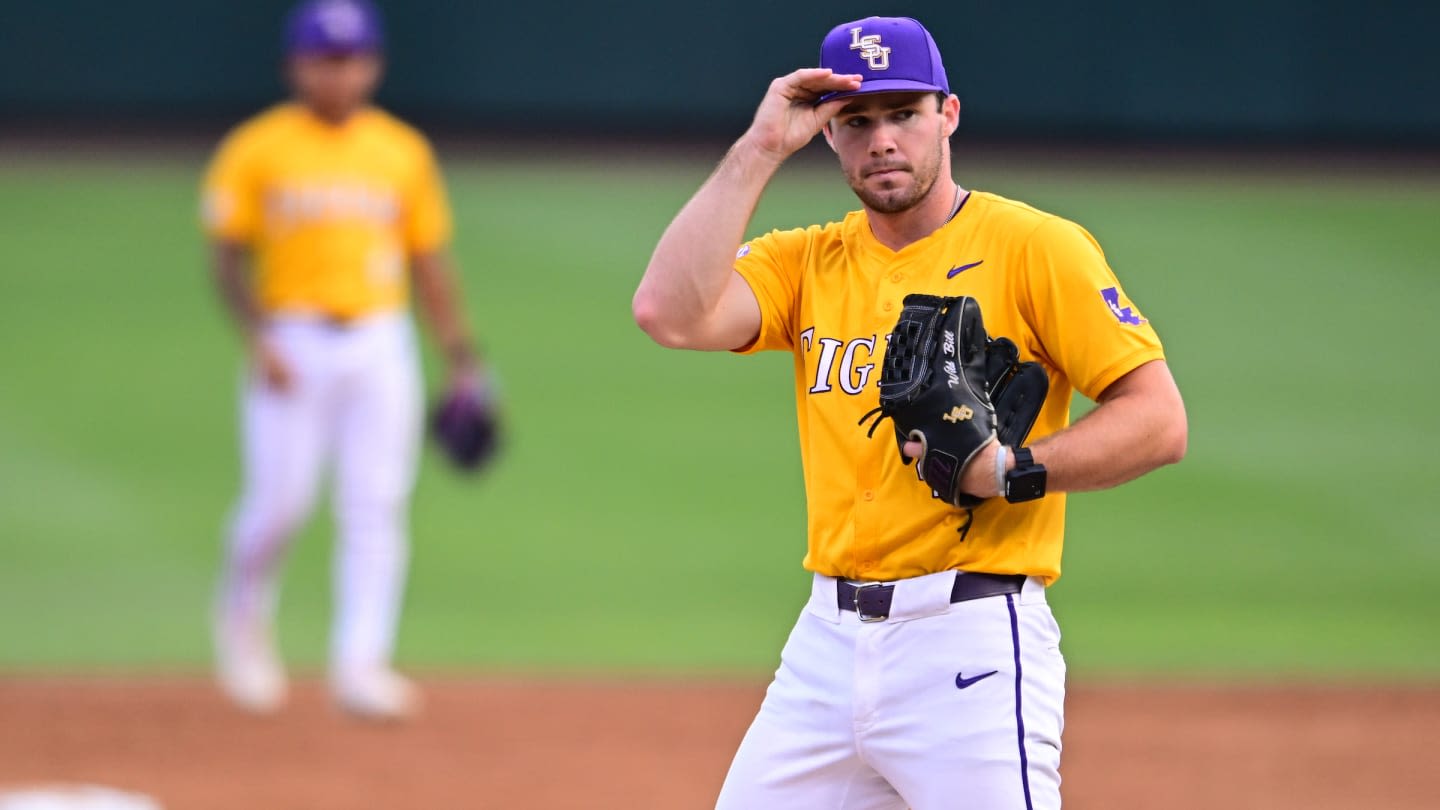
x=962, y=682
x=955, y=271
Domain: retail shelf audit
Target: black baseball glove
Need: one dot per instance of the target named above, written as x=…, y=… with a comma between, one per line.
x=465, y=425
x=948, y=386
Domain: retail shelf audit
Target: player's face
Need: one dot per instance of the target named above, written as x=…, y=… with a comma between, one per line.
x=893, y=146
x=335, y=85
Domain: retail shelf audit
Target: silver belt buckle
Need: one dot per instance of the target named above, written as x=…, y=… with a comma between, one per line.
x=864, y=617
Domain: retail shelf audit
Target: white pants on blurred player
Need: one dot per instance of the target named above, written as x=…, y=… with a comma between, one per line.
x=871, y=716
x=355, y=405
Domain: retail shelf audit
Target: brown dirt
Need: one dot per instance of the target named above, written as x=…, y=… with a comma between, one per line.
x=497, y=743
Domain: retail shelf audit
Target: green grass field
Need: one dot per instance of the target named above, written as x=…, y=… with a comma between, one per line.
x=648, y=513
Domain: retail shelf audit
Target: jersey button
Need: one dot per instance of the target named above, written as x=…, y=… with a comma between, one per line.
x=898, y=277
x=888, y=305
x=868, y=495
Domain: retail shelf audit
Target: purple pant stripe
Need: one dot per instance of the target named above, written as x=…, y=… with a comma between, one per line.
x=1019, y=718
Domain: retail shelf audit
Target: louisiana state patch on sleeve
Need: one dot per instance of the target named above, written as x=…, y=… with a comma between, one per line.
x=1124, y=312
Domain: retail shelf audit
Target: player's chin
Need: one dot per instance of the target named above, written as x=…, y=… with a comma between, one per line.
x=891, y=199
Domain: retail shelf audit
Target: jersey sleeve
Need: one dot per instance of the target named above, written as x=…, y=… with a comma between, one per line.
x=772, y=265
x=1087, y=326
x=426, y=219
x=231, y=196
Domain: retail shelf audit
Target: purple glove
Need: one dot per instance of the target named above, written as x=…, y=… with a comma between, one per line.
x=465, y=425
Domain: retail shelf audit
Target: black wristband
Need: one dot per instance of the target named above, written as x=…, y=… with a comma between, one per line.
x=1026, y=482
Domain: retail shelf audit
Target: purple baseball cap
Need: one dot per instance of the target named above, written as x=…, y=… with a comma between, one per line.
x=334, y=26
x=892, y=54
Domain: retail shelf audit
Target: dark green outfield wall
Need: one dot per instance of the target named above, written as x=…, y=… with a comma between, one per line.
x=1268, y=69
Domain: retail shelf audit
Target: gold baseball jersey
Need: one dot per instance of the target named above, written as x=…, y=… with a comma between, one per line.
x=830, y=295
x=332, y=214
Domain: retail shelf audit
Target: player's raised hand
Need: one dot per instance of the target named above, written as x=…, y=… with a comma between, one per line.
x=788, y=117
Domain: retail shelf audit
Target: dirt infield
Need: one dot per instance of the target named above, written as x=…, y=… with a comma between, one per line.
x=495, y=743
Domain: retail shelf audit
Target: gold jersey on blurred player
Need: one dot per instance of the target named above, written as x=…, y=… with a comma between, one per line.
x=322, y=211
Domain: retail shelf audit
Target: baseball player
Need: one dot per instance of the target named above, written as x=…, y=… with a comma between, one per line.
x=322, y=210
x=925, y=669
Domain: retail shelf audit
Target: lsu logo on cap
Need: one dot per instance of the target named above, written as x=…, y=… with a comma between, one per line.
x=876, y=56
x=1125, y=315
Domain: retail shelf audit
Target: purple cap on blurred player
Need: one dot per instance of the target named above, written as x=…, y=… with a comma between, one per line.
x=893, y=54
x=334, y=26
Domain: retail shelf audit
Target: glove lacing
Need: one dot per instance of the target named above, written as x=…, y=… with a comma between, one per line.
x=870, y=434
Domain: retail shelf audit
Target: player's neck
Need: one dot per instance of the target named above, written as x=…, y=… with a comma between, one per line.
x=903, y=228
x=334, y=118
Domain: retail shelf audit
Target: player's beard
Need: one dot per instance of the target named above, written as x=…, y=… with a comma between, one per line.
x=896, y=200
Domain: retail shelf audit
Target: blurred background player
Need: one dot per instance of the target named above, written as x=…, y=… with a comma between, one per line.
x=316, y=209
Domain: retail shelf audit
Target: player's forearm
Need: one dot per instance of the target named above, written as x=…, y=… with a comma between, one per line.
x=1135, y=430
x=437, y=291
x=232, y=282
x=682, y=291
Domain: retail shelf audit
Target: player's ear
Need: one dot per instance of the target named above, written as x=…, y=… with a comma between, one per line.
x=829, y=137
x=950, y=108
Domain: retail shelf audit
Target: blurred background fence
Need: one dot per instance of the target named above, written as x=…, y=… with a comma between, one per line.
x=1293, y=71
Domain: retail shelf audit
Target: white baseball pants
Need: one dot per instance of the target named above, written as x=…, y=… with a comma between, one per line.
x=940, y=706
x=355, y=405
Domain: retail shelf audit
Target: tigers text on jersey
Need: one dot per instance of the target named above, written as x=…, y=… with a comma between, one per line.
x=332, y=213
x=830, y=296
